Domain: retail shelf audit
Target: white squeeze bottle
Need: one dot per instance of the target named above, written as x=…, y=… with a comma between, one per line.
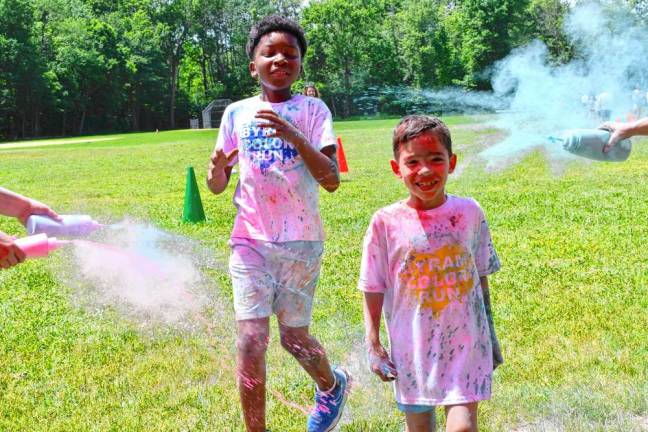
x=589, y=143
x=69, y=226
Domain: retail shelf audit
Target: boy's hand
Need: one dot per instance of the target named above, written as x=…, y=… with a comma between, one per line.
x=10, y=254
x=282, y=128
x=219, y=160
x=380, y=364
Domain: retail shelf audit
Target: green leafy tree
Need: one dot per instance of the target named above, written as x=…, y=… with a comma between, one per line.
x=425, y=53
x=341, y=34
x=145, y=68
x=486, y=30
x=21, y=83
x=546, y=24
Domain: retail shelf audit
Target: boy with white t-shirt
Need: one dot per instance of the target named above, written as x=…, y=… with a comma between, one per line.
x=425, y=264
x=285, y=148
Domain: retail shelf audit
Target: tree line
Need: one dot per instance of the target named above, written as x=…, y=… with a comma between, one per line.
x=85, y=66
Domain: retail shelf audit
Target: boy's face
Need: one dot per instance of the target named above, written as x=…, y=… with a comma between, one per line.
x=424, y=164
x=277, y=61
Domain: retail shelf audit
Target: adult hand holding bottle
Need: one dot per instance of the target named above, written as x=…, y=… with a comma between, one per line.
x=10, y=253
x=619, y=131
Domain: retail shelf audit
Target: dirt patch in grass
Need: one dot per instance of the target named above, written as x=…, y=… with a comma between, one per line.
x=22, y=144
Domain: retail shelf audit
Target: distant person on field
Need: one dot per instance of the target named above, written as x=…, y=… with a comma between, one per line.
x=588, y=101
x=311, y=90
x=620, y=131
x=425, y=264
x=20, y=207
x=285, y=147
x=603, y=102
x=637, y=102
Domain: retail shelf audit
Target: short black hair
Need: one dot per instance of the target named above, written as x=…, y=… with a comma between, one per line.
x=415, y=125
x=273, y=23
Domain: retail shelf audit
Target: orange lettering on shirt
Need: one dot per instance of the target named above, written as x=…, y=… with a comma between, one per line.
x=436, y=279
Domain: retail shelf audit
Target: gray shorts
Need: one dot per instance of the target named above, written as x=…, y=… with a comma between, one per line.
x=277, y=278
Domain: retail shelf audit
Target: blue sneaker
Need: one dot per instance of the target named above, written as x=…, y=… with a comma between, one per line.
x=329, y=405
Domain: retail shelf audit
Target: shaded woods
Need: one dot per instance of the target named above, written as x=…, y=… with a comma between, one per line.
x=72, y=67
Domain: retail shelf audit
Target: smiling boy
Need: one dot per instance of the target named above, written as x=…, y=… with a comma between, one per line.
x=425, y=264
x=285, y=147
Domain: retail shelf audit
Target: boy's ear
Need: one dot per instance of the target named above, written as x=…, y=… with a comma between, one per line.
x=395, y=168
x=453, y=163
x=253, y=71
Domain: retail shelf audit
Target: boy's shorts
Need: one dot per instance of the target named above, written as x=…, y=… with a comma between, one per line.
x=415, y=409
x=277, y=278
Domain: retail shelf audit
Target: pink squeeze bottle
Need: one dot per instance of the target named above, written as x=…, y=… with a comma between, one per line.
x=69, y=226
x=39, y=245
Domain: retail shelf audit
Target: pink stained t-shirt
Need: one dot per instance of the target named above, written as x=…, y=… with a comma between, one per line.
x=277, y=198
x=428, y=263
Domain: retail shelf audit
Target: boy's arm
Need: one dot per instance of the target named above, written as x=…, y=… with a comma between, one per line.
x=219, y=171
x=483, y=280
x=321, y=164
x=378, y=357
x=498, y=359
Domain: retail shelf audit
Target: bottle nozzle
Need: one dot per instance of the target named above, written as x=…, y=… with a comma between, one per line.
x=54, y=243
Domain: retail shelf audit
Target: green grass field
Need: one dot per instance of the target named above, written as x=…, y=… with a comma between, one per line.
x=570, y=303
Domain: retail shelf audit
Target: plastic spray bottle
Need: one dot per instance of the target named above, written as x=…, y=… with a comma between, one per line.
x=39, y=245
x=589, y=143
x=70, y=226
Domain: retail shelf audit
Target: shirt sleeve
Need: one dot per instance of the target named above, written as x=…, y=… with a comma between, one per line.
x=374, y=265
x=321, y=133
x=226, y=139
x=486, y=258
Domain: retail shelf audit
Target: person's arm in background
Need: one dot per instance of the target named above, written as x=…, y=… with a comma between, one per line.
x=21, y=207
x=620, y=131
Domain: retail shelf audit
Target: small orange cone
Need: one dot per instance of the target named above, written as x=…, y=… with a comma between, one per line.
x=342, y=163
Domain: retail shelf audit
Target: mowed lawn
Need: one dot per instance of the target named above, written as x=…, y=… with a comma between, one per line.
x=570, y=303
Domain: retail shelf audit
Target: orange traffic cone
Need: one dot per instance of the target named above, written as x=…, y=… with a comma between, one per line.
x=342, y=163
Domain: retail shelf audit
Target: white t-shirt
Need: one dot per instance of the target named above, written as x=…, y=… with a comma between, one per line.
x=428, y=263
x=277, y=197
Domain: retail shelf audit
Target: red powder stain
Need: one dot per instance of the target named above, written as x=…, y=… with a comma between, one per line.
x=455, y=219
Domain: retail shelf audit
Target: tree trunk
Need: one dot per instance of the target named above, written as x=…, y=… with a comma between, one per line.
x=82, y=121
x=134, y=104
x=36, y=122
x=203, y=69
x=23, y=125
x=333, y=108
x=346, y=109
x=174, y=79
